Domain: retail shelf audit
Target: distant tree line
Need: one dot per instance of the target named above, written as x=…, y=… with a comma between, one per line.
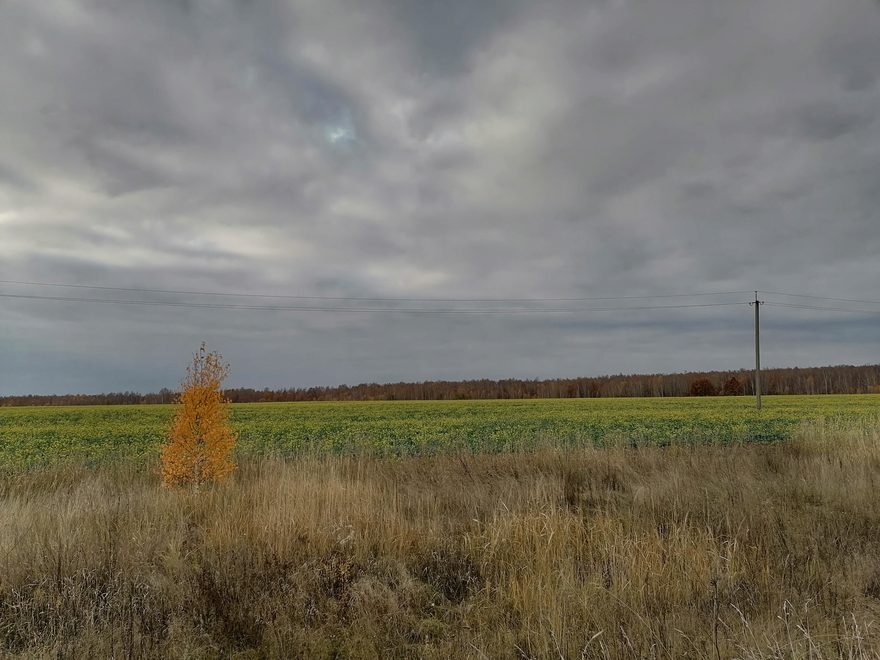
x=164, y=395
x=814, y=380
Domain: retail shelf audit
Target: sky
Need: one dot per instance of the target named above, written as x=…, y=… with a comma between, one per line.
x=434, y=150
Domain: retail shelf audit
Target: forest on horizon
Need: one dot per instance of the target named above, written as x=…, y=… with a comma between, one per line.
x=841, y=379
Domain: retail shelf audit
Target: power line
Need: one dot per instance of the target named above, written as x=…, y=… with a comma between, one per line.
x=363, y=299
x=395, y=310
x=414, y=310
x=825, y=309
x=803, y=295
x=408, y=299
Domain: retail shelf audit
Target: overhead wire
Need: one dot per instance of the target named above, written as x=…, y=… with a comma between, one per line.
x=804, y=295
x=395, y=310
x=416, y=310
x=366, y=298
x=825, y=309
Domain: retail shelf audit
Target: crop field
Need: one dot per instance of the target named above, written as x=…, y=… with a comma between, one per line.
x=405, y=529
x=47, y=435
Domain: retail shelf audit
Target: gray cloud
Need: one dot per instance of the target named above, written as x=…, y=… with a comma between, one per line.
x=434, y=149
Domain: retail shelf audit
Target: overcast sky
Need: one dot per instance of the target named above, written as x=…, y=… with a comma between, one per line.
x=434, y=149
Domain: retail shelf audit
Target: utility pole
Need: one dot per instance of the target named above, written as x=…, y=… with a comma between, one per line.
x=757, y=305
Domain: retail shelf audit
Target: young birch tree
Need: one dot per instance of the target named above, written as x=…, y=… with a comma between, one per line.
x=200, y=442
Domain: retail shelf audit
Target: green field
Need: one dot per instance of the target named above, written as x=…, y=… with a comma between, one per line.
x=33, y=436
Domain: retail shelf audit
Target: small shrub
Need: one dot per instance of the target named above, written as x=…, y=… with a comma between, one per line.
x=703, y=387
x=732, y=387
x=200, y=443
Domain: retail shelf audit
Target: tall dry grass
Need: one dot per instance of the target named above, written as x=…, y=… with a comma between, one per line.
x=715, y=552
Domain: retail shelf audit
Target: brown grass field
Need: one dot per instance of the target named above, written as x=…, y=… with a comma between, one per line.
x=746, y=551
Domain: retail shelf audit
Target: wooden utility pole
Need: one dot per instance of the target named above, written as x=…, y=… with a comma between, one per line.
x=757, y=305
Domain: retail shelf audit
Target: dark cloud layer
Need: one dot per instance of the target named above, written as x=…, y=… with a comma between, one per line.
x=440, y=150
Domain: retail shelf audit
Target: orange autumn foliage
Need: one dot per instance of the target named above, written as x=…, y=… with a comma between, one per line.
x=201, y=439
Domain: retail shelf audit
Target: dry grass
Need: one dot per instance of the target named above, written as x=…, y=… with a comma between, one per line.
x=717, y=552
